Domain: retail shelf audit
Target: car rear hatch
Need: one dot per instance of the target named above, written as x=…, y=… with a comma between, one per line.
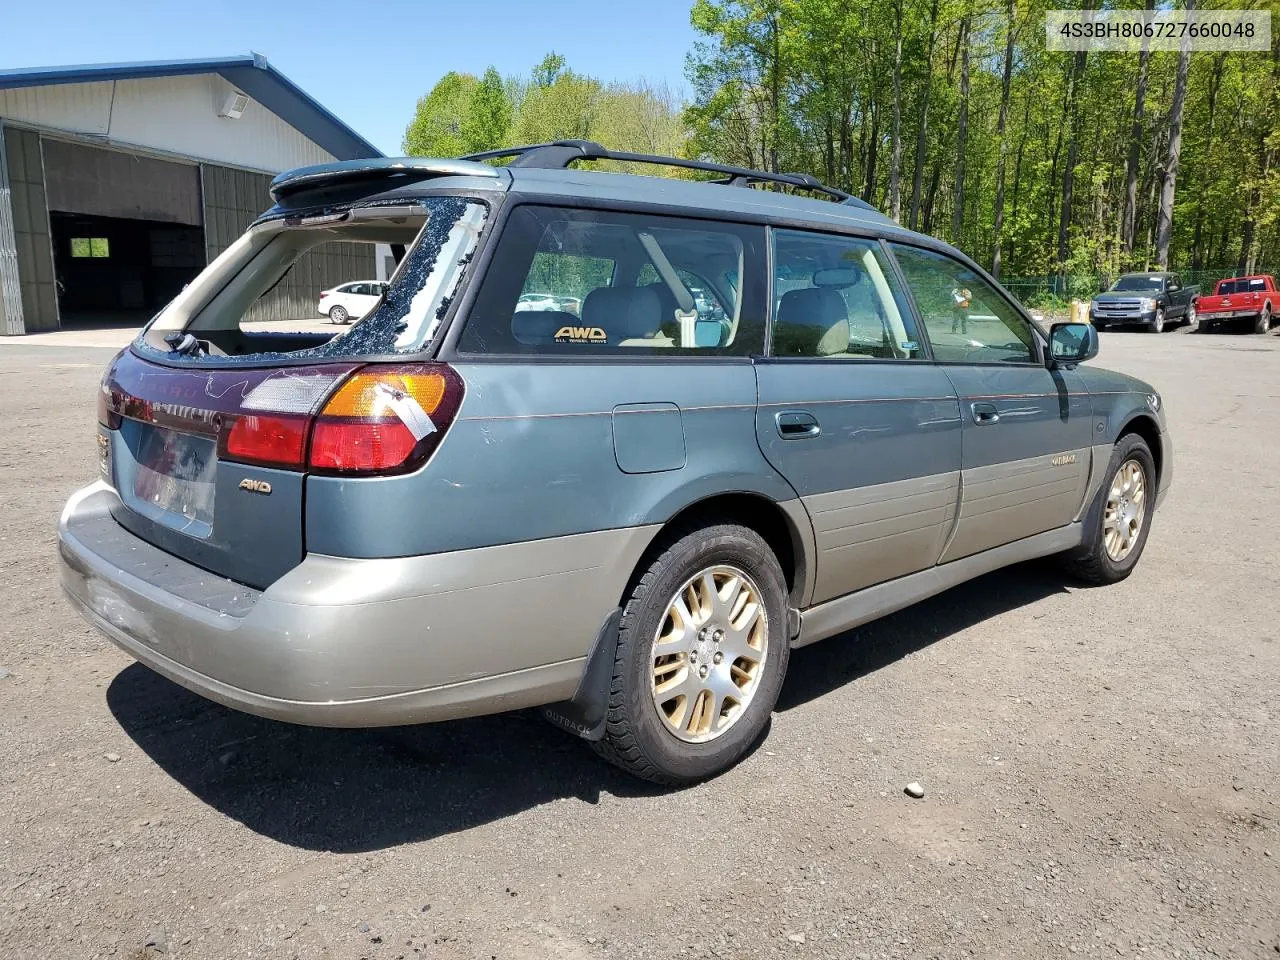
x=209, y=429
x=166, y=439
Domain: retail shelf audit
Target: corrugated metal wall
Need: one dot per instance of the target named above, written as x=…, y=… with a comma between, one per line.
x=10, y=291
x=31, y=232
x=233, y=199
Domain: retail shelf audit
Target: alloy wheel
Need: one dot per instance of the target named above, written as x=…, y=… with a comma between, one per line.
x=1126, y=510
x=708, y=654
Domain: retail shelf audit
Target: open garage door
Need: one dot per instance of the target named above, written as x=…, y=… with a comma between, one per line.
x=126, y=231
x=112, y=269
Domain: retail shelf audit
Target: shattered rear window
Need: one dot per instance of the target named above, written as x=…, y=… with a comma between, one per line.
x=308, y=288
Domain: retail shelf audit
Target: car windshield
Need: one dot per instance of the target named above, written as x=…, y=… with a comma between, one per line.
x=1139, y=283
x=279, y=291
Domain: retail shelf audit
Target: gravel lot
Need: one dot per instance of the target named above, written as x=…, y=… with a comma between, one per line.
x=1101, y=766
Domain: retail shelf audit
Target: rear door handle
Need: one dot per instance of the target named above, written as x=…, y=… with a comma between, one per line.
x=796, y=424
x=984, y=413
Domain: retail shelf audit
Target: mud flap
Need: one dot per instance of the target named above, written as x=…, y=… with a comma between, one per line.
x=584, y=715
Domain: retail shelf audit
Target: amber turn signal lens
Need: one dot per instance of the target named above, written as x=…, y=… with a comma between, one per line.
x=369, y=394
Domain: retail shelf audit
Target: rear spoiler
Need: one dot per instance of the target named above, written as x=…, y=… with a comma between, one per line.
x=400, y=169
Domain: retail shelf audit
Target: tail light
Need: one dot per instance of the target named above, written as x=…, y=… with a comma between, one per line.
x=324, y=294
x=108, y=401
x=385, y=419
x=379, y=420
x=107, y=415
x=268, y=440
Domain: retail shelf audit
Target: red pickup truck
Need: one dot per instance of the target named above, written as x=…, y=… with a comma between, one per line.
x=1239, y=297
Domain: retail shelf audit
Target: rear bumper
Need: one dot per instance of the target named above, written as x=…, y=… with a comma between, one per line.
x=1227, y=314
x=353, y=643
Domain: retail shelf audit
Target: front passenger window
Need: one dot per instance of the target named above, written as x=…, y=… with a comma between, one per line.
x=966, y=319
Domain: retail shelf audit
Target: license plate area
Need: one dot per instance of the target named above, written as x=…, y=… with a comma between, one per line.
x=168, y=476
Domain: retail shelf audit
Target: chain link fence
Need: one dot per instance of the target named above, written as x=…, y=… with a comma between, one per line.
x=1056, y=291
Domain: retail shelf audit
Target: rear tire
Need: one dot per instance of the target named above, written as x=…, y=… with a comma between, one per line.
x=669, y=720
x=338, y=314
x=1112, y=545
x=1192, y=319
x=1263, y=322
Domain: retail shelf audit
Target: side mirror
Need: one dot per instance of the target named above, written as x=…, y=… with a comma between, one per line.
x=1072, y=343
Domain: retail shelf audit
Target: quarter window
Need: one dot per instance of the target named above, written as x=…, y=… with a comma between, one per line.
x=966, y=318
x=567, y=282
x=837, y=298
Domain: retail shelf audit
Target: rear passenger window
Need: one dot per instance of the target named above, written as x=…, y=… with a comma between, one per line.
x=570, y=282
x=966, y=319
x=836, y=297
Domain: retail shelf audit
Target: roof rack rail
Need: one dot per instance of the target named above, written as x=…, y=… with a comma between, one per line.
x=561, y=154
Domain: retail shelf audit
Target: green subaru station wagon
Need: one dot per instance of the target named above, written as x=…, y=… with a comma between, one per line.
x=607, y=444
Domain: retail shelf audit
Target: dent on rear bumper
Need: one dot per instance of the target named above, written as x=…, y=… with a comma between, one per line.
x=342, y=642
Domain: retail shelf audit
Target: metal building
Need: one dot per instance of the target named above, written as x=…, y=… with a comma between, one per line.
x=119, y=182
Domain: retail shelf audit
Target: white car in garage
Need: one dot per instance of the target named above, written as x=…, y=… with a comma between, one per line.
x=350, y=301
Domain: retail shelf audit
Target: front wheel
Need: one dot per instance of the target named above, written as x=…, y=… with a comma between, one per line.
x=702, y=651
x=1157, y=324
x=1263, y=323
x=1116, y=526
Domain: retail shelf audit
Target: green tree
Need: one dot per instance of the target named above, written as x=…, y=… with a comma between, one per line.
x=1046, y=163
x=739, y=74
x=550, y=70
x=565, y=109
x=436, y=129
x=487, y=121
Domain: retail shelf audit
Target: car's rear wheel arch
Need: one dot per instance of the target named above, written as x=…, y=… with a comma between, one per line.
x=751, y=510
x=1147, y=428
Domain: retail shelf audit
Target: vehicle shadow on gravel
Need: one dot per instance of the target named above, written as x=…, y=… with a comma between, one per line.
x=358, y=790
x=347, y=791
x=818, y=669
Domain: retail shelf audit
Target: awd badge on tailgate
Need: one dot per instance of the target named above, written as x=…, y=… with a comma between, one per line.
x=256, y=486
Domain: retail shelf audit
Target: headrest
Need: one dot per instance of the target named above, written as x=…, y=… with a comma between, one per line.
x=667, y=305
x=812, y=322
x=540, y=326
x=812, y=307
x=623, y=313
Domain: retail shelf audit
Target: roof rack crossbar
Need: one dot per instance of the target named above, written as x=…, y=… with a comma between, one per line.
x=560, y=154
